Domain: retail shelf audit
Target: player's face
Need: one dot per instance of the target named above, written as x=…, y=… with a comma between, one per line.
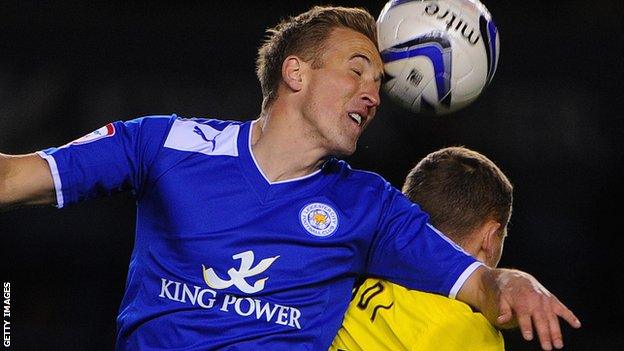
x=343, y=95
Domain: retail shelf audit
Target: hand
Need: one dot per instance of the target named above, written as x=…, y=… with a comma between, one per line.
x=515, y=298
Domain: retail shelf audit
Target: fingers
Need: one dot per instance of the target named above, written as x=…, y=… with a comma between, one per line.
x=526, y=327
x=534, y=309
x=555, y=332
x=543, y=327
x=545, y=322
x=546, y=328
x=505, y=314
x=568, y=316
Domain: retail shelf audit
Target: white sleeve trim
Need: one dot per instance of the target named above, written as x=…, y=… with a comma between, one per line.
x=462, y=278
x=55, y=176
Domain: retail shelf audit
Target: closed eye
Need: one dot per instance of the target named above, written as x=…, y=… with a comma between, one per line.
x=358, y=72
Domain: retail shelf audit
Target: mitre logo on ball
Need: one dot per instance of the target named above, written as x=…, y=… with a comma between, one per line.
x=438, y=55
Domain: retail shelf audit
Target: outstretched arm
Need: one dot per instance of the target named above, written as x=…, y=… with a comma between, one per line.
x=25, y=180
x=511, y=298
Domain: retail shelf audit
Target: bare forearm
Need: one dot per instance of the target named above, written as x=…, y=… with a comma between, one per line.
x=480, y=291
x=4, y=171
x=25, y=180
x=483, y=291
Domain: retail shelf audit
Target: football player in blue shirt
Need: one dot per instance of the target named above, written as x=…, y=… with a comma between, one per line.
x=249, y=235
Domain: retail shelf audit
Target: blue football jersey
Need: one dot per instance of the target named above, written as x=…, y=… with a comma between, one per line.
x=225, y=259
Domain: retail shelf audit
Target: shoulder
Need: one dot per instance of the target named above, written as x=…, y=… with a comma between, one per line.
x=173, y=119
x=184, y=133
x=358, y=176
x=200, y=123
x=218, y=124
x=447, y=317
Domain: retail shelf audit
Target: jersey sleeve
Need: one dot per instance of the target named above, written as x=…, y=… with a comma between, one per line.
x=409, y=251
x=113, y=158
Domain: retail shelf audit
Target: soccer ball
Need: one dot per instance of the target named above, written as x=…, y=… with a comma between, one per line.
x=438, y=55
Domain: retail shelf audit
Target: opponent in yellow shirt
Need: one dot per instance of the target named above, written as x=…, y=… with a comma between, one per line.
x=469, y=199
x=386, y=316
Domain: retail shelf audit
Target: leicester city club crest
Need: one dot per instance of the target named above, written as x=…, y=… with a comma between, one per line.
x=319, y=219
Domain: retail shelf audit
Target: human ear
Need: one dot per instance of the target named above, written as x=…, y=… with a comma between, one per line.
x=292, y=72
x=490, y=243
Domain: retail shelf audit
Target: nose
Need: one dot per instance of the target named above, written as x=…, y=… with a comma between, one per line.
x=371, y=95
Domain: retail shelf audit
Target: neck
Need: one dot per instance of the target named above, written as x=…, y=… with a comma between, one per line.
x=282, y=149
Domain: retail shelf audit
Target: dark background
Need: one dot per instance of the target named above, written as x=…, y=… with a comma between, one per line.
x=551, y=119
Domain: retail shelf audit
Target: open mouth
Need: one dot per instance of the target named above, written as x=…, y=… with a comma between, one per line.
x=356, y=117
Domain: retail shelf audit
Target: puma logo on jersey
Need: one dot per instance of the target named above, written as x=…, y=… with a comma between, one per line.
x=199, y=132
x=195, y=136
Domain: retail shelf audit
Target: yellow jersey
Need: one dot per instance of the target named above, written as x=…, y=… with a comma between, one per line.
x=386, y=316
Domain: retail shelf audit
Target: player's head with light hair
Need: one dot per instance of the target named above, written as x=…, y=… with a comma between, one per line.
x=304, y=36
x=466, y=196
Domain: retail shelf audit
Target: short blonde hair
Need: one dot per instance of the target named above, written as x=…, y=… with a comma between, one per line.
x=304, y=35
